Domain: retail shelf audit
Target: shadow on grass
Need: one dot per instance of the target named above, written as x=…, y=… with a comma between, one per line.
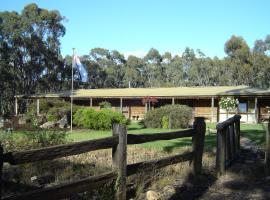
x=209, y=143
x=133, y=128
x=194, y=188
x=257, y=135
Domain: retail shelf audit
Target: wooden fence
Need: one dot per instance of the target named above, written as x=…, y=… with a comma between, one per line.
x=228, y=142
x=267, y=150
x=118, y=142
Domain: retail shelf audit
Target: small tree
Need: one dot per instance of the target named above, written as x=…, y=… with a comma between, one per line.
x=228, y=103
x=148, y=100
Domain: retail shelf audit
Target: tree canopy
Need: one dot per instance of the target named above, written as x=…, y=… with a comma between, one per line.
x=31, y=61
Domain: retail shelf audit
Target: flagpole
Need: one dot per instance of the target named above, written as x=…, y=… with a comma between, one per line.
x=71, y=96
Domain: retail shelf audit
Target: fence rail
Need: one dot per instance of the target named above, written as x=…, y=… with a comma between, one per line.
x=118, y=142
x=58, y=151
x=228, y=142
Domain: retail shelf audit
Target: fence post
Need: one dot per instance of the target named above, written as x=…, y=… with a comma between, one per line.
x=1, y=168
x=198, y=145
x=232, y=140
x=119, y=158
x=267, y=152
x=221, y=151
x=237, y=135
x=227, y=145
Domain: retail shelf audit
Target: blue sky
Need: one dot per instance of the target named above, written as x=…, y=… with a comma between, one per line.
x=133, y=27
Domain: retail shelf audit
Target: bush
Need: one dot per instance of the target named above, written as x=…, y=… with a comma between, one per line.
x=57, y=113
x=180, y=116
x=32, y=140
x=50, y=110
x=98, y=120
x=165, y=122
x=105, y=105
x=228, y=103
x=84, y=117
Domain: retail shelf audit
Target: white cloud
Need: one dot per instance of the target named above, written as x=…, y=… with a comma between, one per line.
x=138, y=53
x=142, y=53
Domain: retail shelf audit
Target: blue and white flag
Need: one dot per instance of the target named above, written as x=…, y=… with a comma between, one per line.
x=81, y=69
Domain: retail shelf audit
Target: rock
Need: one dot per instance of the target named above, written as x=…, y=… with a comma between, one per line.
x=152, y=195
x=22, y=119
x=43, y=180
x=48, y=125
x=168, y=191
x=46, y=179
x=12, y=173
x=63, y=123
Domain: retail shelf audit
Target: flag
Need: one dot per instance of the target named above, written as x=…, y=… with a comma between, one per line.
x=81, y=69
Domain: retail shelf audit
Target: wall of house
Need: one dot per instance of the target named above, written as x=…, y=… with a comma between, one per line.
x=263, y=108
x=247, y=110
x=135, y=110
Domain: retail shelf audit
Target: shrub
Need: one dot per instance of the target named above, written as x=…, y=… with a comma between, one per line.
x=228, y=103
x=180, y=116
x=98, y=120
x=105, y=105
x=84, y=117
x=31, y=140
x=57, y=113
x=50, y=110
x=165, y=122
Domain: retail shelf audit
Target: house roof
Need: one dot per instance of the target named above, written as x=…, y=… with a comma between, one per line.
x=213, y=91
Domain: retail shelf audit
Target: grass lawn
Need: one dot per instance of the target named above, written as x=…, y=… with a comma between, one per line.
x=135, y=128
x=255, y=132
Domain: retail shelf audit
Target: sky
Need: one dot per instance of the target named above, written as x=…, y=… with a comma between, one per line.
x=133, y=27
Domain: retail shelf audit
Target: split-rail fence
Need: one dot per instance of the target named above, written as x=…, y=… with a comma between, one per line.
x=228, y=143
x=118, y=142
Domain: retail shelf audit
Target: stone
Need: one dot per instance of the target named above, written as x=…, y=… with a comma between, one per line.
x=1, y=122
x=48, y=125
x=63, y=123
x=152, y=195
x=168, y=191
x=12, y=173
x=22, y=119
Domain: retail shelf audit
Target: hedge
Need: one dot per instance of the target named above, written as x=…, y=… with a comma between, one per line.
x=178, y=116
x=98, y=120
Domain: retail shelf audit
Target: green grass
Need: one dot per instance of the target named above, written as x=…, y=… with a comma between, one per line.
x=135, y=128
x=255, y=132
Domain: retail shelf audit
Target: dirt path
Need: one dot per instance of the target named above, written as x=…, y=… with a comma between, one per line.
x=244, y=180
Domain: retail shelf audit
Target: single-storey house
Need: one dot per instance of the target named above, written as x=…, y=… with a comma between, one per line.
x=204, y=101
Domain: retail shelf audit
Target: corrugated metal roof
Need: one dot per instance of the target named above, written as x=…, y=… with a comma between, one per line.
x=159, y=92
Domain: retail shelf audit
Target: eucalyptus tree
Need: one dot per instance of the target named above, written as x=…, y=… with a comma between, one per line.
x=30, y=50
x=188, y=57
x=174, y=74
x=134, y=76
x=112, y=63
x=239, y=60
x=153, y=69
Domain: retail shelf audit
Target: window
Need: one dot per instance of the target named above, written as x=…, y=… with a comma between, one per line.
x=242, y=107
x=251, y=106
